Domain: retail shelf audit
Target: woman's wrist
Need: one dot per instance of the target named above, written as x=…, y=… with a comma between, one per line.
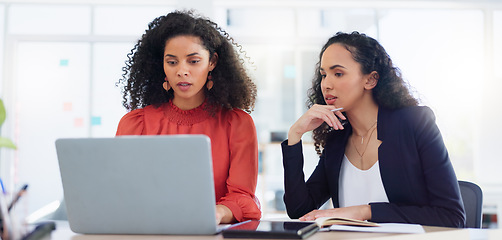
x=366, y=212
x=293, y=137
x=224, y=214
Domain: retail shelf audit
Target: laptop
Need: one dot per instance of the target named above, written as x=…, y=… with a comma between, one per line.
x=138, y=184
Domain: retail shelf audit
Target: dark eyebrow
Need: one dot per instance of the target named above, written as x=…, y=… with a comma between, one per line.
x=189, y=55
x=334, y=66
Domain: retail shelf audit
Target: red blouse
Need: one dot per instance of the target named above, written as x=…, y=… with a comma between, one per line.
x=234, y=148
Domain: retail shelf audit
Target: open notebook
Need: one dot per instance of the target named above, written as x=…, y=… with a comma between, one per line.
x=138, y=184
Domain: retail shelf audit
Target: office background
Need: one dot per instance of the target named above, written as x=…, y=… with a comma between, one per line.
x=61, y=61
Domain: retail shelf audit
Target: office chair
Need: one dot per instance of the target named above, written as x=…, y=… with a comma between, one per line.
x=473, y=203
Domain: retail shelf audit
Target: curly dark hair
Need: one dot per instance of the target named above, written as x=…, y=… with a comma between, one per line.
x=391, y=91
x=144, y=75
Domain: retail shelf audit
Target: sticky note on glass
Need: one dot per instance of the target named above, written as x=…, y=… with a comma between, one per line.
x=67, y=106
x=95, y=121
x=64, y=62
x=78, y=122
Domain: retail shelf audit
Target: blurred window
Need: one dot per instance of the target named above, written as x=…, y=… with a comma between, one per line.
x=48, y=19
x=126, y=20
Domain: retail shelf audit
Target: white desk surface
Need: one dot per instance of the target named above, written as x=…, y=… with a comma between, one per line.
x=63, y=232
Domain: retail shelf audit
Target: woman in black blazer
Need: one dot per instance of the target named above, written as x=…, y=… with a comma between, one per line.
x=382, y=157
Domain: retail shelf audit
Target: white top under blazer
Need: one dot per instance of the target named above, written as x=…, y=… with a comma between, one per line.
x=360, y=187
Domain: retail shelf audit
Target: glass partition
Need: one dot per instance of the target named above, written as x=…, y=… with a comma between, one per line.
x=440, y=53
x=52, y=101
x=106, y=98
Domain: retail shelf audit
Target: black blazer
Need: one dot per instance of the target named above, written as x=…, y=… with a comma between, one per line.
x=416, y=172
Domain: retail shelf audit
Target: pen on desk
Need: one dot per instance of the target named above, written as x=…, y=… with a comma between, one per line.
x=3, y=188
x=18, y=195
x=336, y=109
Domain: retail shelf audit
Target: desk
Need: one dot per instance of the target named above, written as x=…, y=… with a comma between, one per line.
x=63, y=232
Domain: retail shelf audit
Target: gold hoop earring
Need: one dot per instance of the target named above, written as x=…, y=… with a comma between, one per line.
x=209, y=84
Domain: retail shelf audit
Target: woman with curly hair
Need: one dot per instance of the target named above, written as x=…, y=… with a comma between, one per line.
x=184, y=76
x=382, y=157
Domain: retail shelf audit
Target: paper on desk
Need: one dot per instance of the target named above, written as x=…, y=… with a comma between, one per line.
x=383, y=228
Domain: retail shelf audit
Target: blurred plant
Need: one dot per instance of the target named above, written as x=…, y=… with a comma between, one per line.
x=4, y=142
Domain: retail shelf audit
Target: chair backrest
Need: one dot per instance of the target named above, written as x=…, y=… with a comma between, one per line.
x=473, y=203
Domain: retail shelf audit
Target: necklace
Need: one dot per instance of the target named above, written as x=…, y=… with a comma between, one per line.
x=362, y=136
x=361, y=155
